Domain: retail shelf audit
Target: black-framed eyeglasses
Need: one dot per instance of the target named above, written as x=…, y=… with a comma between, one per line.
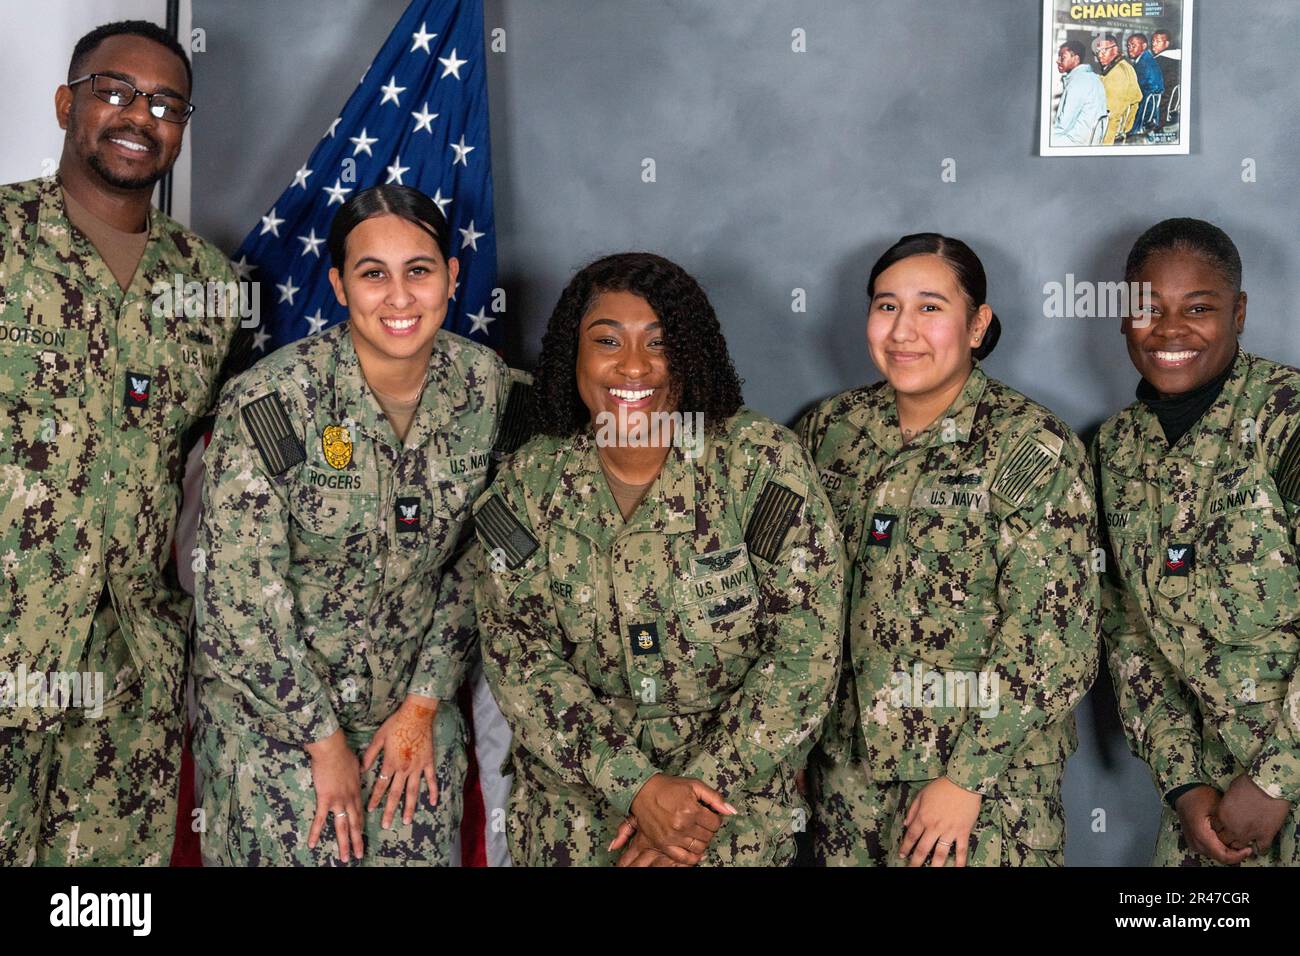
x=118, y=92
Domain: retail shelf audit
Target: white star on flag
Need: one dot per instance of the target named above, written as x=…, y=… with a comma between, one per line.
x=333, y=126
x=260, y=338
x=362, y=142
x=311, y=244
x=441, y=203
x=451, y=65
x=470, y=238
x=395, y=171
x=423, y=119
x=390, y=92
x=300, y=177
x=243, y=268
x=421, y=39
x=315, y=322
x=480, y=320
x=288, y=290
x=462, y=152
x=271, y=224
x=336, y=192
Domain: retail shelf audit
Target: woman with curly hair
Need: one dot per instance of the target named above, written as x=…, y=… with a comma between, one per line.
x=660, y=613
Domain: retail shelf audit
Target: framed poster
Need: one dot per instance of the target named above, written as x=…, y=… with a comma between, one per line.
x=1116, y=78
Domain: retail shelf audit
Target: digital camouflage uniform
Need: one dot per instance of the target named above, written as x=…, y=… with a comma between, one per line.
x=700, y=638
x=1202, y=621
x=335, y=580
x=98, y=390
x=971, y=552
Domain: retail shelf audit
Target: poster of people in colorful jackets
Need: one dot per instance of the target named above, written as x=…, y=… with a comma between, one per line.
x=1116, y=78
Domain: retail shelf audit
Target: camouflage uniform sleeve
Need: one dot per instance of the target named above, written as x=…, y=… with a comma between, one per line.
x=451, y=647
x=775, y=714
x=1157, y=712
x=1276, y=768
x=551, y=709
x=248, y=626
x=1045, y=653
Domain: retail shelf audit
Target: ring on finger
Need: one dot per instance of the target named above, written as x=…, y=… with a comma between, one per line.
x=383, y=776
x=340, y=815
x=944, y=843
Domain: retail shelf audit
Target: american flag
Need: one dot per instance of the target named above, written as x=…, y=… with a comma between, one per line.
x=419, y=118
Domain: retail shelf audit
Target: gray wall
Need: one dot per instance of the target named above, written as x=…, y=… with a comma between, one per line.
x=779, y=170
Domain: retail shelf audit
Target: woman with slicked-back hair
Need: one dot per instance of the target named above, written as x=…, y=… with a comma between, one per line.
x=971, y=628
x=1200, y=491
x=335, y=619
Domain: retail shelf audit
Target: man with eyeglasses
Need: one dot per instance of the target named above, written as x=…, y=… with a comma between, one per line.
x=103, y=378
x=1123, y=95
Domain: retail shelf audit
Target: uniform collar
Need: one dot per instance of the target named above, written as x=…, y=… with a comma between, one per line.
x=583, y=503
x=1203, y=442
x=878, y=416
x=63, y=250
x=443, y=393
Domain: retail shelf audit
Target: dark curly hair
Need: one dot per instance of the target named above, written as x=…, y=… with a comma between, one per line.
x=699, y=365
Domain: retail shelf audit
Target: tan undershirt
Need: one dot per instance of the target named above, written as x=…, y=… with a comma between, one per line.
x=400, y=412
x=121, y=251
x=626, y=496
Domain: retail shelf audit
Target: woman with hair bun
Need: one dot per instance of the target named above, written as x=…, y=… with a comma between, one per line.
x=335, y=618
x=972, y=613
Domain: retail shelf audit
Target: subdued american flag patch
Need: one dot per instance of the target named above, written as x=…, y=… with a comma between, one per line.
x=1022, y=469
x=502, y=533
x=776, y=510
x=1288, y=471
x=273, y=434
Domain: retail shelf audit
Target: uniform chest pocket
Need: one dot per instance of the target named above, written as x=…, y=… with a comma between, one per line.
x=188, y=370
x=333, y=539
x=1248, y=581
x=952, y=562
x=717, y=609
x=41, y=394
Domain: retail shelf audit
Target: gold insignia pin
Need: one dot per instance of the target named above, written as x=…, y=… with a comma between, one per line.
x=337, y=446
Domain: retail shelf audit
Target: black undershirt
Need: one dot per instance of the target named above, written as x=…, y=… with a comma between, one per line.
x=1178, y=413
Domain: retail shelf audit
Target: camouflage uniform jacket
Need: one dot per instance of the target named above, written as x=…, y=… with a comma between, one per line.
x=98, y=389
x=971, y=552
x=1203, y=611
x=334, y=578
x=703, y=634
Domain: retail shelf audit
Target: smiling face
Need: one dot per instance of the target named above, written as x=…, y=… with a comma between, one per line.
x=920, y=330
x=1187, y=334
x=622, y=359
x=395, y=285
x=122, y=148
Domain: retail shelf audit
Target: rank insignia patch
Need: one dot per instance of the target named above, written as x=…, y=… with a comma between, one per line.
x=137, y=389
x=645, y=639
x=881, y=532
x=1178, y=560
x=408, y=514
